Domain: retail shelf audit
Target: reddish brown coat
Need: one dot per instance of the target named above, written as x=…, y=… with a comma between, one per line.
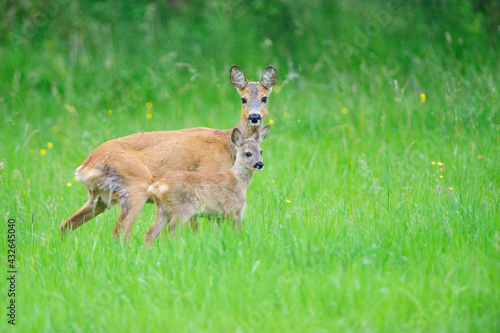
x=121, y=170
x=184, y=195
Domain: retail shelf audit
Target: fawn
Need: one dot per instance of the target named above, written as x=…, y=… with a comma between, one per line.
x=182, y=196
x=121, y=170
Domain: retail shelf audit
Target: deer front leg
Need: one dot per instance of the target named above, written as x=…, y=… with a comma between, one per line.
x=237, y=222
x=235, y=216
x=194, y=222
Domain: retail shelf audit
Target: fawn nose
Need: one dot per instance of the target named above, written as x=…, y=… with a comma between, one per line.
x=254, y=118
x=259, y=165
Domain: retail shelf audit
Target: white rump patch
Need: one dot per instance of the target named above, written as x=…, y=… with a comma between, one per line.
x=163, y=189
x=151, y=189
x=157, y=189
x=87, y=177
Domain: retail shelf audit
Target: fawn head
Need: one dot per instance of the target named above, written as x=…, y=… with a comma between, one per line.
x=254, y=94
x=248, y=152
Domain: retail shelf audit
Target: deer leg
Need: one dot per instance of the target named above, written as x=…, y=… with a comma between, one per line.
x=237, y=222
x=91, y=209
x=171, y=225
x=218, y=219
x=183, y=217
x=159, y=223
x=234, y=216
x=130, y=207
x=194, y=223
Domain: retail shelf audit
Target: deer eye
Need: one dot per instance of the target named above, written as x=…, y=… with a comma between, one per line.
x=248, y=154
x=243, y=100
x=261, y=152
x=264, y=99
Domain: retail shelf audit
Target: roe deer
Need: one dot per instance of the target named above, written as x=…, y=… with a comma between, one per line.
x=121, y=170
x=183, y=195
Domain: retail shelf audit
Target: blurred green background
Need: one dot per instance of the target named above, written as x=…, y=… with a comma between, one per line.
x=140, y=48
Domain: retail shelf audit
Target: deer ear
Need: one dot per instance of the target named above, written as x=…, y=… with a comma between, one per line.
x=237, y=137
x=269, y=77
x=261, y=135
x=238, y=79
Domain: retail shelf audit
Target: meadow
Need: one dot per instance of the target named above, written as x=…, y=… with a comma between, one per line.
x=378, y=208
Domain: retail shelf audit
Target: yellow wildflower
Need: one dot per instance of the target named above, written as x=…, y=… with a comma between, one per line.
x=288, y=201
x=74, y=179
x=344, y=110
x=149, y=105
x=271, y=122
x=72, y=109
x=62, y=198
x=433, y=163
x=440, y=163
x=69, y=184
x=451, y=188
x=422, y=98
x=110, y=111
x=441, y=176
x=50, y=145
x=43, y=151
x=440, y=169
x=273, y=181
x=149, y=116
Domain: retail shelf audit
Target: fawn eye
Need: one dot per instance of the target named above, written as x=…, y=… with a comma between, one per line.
x=243, y=100
x=261, y=152
x=264, y=99
x=248, y=154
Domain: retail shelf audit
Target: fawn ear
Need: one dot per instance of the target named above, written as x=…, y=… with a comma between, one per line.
x=261, y=135
x=269, y=77
x=237, y=137
x=238, y=79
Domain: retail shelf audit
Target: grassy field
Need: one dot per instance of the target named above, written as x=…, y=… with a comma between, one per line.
x=378, y=208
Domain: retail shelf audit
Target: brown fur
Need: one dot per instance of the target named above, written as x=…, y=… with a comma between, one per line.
x=121, y=170
x=183, y=195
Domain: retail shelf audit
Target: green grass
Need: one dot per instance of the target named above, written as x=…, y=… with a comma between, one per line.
x=372, y=239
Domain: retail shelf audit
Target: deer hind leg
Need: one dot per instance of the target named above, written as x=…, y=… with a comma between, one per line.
x=162, y=216
x=130, y=207
x=130, y=190
x=93, y=207
x=183, y=216
x=172, y=224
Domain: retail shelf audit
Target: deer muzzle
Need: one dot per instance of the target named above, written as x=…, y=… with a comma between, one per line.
x=259, y=166
x=254, y=119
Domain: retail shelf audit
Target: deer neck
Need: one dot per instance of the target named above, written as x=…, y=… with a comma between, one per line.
x=247, y=129
x=242, y=174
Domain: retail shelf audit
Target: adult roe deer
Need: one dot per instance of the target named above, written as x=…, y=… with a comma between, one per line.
x=121, y=170
x=182, y=196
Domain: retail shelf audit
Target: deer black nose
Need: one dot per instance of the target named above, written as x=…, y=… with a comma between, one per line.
x=254, y=118
x=259, y=165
